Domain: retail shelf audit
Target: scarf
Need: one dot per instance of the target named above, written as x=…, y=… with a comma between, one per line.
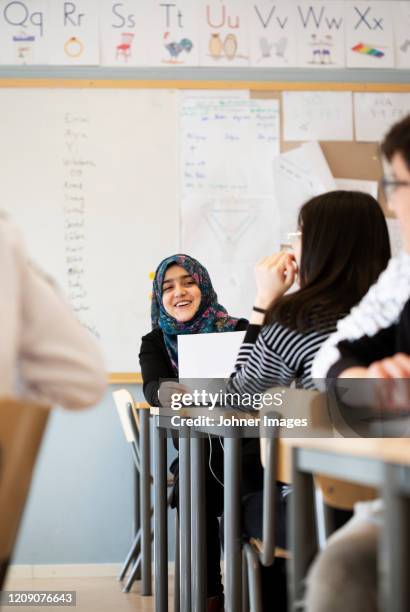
x=210, y=316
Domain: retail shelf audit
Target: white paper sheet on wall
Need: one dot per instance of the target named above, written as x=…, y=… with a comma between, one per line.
x=369, y=34
x=370, y=187
x=317, y=115
x=229, y=218
x=227, y=145
x=299, y=175
x=229, y=235
x=375, y=113
x=208, y=355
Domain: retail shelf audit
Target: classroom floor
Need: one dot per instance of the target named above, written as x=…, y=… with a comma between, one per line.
x=93, y=594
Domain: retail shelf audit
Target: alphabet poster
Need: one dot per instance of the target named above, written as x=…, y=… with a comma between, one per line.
x=402, y=33
x=224, y=33
x=369, y=35
x=272, y=34
x=124, y=37
x=174, y=33
x=74, y=33
x=24, y=28
x=320, y=34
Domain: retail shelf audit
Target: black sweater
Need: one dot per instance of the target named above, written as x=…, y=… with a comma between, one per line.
x=156, y=364
x=367, y=349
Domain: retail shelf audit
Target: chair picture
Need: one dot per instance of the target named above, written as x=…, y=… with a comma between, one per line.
x=124, y=48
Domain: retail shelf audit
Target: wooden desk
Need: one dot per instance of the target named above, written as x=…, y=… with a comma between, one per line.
x=384, y=464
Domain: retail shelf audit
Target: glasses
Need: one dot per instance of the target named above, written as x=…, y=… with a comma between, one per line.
x=389, y=186
x=291, y=241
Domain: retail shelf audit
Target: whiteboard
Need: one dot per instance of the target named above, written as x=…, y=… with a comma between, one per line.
x=91, y=178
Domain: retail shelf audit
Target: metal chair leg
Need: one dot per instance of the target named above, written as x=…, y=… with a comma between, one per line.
x=133, y=552
x=145, y=504
x=135, y=571
x=245, y=586
x=254, y=579
x=133, y=575
x=176, y=566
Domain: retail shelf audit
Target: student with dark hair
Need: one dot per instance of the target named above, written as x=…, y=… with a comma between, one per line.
x=344, y=577
x=342, y=247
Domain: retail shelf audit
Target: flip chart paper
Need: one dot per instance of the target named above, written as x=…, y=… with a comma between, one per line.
x=299, y=175
x=317, y=115
x=375, y=113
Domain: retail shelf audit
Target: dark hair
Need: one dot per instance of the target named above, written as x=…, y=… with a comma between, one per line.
x=397, y=140
x=345, y=246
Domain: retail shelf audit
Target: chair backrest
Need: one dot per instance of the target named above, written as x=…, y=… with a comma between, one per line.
x=22, y=425
x=128, y=415
x=313, y=405
x=341, y=494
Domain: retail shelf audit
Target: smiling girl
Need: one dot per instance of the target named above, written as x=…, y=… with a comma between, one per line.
x=184, y=302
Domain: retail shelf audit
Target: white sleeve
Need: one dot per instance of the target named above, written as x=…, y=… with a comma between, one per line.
x=327, y=356
x=378, y=309
x=57, y=359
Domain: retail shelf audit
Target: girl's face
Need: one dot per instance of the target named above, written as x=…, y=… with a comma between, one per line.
x=181, y=296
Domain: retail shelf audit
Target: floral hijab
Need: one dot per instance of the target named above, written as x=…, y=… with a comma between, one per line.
x=210, y=317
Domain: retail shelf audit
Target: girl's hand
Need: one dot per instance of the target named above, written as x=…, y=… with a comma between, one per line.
x=274, y=276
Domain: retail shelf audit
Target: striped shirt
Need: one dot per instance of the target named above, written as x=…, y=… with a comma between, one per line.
x=275, y=355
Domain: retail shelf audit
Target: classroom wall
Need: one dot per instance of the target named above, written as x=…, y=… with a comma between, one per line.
x=80, y=505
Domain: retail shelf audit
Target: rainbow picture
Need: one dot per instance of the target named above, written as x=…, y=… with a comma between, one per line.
x=368, y=50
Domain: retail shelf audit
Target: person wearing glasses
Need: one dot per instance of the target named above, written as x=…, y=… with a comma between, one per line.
x=339, y=250
x=384, y=302
x=372, y=343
